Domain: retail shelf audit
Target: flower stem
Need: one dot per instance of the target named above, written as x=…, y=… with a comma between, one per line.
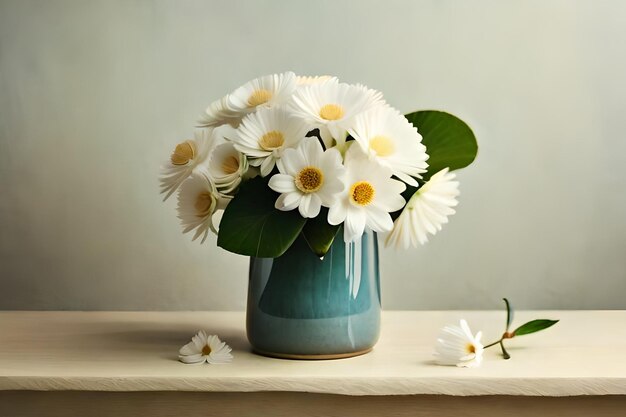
x=504, y=352
x=505, y=335
x=492, y=344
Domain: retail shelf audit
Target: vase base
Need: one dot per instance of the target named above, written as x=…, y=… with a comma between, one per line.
x=313, y=357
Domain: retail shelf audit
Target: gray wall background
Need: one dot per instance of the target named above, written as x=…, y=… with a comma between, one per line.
x=95, y=94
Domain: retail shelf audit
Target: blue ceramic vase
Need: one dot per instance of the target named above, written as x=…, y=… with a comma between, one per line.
x=304, y=307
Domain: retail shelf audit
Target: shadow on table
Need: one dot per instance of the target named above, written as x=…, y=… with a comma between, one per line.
x=169, y=340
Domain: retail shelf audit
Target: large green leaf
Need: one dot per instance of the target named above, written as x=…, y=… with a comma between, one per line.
x=449, y=141
x=252, y=226
x=319, y=234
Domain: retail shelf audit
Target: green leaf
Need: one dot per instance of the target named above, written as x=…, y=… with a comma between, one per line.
x=319, y=235
x=533, y=326
x=252, y=226
x=509, y=314
x=449, y=141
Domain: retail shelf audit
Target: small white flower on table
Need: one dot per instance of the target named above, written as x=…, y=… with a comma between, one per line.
x=205, y=348
x=458, y=346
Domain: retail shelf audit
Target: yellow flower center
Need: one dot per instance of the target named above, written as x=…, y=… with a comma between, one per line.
x=382, y=145
x=206, y=350
x=259, y=97
x=204, y=203
x=230, y=165
x=470, y=348
x=331, y=112
x=309, y=180
x=362, y=193
x=183, y=153
x=272, y=140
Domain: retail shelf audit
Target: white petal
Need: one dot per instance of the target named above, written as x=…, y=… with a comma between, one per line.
x=282, y=183
x=312, y=151
x=192, y=359
x=318, y=79
x=288, y=201
x=267, y=166
x=199, y=340
x=291, y=163
x=355, y=224
x=378, y=220
x=220, y=351
x=466, y=330
x=189, y=349
x=337, y=214
x=310, y=206
x=406, y=178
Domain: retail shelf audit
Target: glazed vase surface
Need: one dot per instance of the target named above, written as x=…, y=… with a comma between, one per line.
x=301, y=306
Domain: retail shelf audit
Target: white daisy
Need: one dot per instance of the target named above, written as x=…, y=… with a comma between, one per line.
x=205, y=348
x=302, y=80
x=309, y=178
x=225, y=164
x=427, y=210
x=227, y=167
x=219, y=113
x=187, y=156
x=389, y=138
x=458, y=346
x=264, y=135
x=266, y=91
x=198, y=200
x=368, y=198
x=331, y=105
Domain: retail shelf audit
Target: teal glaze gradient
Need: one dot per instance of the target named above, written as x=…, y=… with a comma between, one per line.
x=300, y=304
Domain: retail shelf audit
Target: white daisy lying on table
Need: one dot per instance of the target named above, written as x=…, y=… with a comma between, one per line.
x=458, y=346
x=205, y=348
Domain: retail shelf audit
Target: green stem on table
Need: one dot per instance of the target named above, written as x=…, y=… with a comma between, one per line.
x=504, y=352
x=506, y=335
x=492, y=344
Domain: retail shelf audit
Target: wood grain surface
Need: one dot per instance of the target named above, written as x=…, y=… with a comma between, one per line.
x=124, y=351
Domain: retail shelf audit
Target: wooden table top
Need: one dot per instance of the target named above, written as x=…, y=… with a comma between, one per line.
x=137, y=351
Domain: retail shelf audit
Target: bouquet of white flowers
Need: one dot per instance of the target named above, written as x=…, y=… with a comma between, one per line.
x=285, y=155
